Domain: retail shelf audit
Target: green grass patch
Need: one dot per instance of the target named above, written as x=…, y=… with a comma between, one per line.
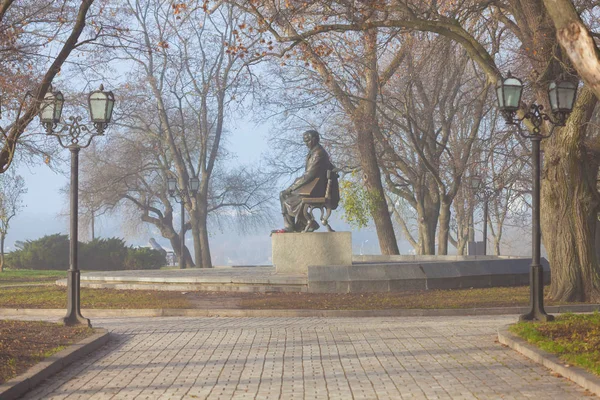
x=56, y=297
x=27, y=276
x=422, y=299
x=574, y=338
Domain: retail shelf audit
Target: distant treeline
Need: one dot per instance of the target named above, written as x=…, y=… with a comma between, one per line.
x=51, y=252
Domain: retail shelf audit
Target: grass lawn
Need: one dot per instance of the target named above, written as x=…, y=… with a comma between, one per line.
x=574, y=338
x=25, y=343
x=23, y=277
x=56, y=297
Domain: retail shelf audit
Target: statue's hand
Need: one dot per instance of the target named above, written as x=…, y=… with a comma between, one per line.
x=286, y=192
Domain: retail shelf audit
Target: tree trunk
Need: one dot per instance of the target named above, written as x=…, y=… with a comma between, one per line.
x=427, y=228
x=444, y=228
x=199, y=221
x=205, y=259
x=569, y=207
x=2, y=237
x=365, y=120
x=496, y=247
x=175, y=240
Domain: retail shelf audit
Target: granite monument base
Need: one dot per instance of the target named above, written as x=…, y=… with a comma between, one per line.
x=294, y=252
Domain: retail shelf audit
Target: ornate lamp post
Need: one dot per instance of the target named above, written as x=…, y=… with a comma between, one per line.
x=561, y=95
x=179, y=194
x=74, y=135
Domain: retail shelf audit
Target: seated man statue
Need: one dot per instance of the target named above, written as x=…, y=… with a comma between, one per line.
x=312, y=184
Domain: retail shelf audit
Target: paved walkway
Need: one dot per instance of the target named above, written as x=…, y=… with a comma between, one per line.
x=306, y=358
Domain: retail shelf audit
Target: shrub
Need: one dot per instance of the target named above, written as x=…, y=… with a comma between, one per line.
x=102, y=254
x=48, y=252
x=144, y=258
x=52, y=253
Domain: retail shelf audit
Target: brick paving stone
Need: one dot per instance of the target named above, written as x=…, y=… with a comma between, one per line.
x=305, y=358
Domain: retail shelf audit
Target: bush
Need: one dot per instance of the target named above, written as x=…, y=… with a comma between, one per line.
x=52, y=253
x=144, y=258
x=102, y=254
x=48, y=252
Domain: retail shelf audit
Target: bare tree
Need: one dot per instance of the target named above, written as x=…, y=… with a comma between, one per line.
x=36, y=39
x=186, y=82
x=433, y=114
x=12, y=189
x=569, y=200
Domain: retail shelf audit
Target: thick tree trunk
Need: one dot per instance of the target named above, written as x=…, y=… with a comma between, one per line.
x=175, y=240
x=569, y=206
x=365, y=120
x=444, y=228
x=199, y=221
x=372, y=180
x=2, y=237
x=206, y=261
x=427, y=227
x=165, y=226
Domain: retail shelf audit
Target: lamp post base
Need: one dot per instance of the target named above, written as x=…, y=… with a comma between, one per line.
x=536, y=284
x=74, y=316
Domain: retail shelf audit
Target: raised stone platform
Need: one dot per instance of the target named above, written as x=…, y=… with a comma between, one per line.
x=424, y=275
x=361, y=276
x=293, y=253
x=238, y=279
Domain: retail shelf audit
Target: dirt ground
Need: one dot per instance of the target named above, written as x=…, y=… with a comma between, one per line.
x=25, y=343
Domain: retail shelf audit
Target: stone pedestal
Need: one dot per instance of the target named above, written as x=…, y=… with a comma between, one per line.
x=294, y=252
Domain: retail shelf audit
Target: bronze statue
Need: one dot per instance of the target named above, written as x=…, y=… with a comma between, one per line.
x=316, y=188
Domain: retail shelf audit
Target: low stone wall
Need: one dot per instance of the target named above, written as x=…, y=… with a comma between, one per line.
x=400, y=276
x=379, y=258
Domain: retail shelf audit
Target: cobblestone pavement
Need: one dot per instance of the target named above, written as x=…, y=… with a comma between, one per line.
x=305, y=358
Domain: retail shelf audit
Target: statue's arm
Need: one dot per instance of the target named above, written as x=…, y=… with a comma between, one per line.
x=312, y=171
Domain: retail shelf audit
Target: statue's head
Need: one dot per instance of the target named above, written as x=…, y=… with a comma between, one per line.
x=311, y=138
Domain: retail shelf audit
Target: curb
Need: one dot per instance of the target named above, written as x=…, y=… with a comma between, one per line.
x=193, y=312
x=576, y=374
x=20, y=385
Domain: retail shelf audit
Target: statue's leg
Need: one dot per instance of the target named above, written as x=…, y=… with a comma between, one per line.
x=288, y=220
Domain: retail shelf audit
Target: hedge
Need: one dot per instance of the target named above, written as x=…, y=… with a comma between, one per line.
x=51, y=252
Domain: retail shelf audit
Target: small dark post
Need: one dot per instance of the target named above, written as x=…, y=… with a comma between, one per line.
x=182, y=256
x=485, y=218
x=74, y=316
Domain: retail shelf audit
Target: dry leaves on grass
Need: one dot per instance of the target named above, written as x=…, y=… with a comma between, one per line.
x=25, y=343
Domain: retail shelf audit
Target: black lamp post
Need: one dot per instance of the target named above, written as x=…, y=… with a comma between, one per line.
x=74, y=135
x=561, y=95
x=174, y=192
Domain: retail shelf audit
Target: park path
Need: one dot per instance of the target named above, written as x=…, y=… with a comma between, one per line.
x=306, y=358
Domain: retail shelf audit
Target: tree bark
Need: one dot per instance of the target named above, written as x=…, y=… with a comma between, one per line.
x=7, y=153
x=206, y=261
x=569, y=204
x=2, y=237
x=199, y=221
x=576, y=41
x=444, y=228
x=428, y=218
x=496, y=247
x=366, y=123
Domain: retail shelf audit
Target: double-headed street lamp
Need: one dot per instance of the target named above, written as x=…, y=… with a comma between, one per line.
x=74, y=135
x=182, y=193
x=561, y=96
